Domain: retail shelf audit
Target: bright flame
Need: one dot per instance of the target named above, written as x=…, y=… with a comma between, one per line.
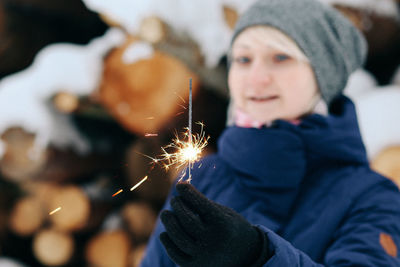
x=184, y=152
x=180, y=152
x=190, y=152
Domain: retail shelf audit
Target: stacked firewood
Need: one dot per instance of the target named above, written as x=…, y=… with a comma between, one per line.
x=73, y=209
x=65, y=208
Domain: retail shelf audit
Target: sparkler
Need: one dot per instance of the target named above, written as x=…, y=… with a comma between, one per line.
x=150, y=134
x=54, y=211
x=180, y=152
x=139, y=183
x=119, y=191
x=185, y=152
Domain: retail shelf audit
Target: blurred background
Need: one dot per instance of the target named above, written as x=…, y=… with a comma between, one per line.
x=91, y=90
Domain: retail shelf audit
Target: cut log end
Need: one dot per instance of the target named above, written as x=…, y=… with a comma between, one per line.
x=140, y=219
x=231, y=16
x=66, y=102
x=387, y=162
x=22, y=158
x=52, y=247
x=75, y=209
x=27, y=216
x=152, y=29
x=109, y=249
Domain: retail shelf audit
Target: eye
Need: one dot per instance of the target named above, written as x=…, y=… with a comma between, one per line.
x=242, y=60
x=281, y=57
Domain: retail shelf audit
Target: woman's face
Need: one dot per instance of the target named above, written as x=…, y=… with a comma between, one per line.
x=268, y=84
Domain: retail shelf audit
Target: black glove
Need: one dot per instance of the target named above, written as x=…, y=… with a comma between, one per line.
x=200, y=232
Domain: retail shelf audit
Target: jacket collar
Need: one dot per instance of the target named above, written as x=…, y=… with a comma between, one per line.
x=279, y=156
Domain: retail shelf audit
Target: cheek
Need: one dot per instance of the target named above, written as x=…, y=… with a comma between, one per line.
x=234, y=84
x=300, y=89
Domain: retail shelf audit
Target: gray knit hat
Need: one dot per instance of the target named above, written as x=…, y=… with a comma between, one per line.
x=333, y=45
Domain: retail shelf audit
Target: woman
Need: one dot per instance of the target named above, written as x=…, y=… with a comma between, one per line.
x=290, y=184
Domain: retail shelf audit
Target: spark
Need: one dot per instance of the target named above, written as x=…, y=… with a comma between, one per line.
x=182, y=106
x=183, y=100
x=150, y=134
x=54, y=211
x=150, y=118
x=139, y=183
x=119, y=191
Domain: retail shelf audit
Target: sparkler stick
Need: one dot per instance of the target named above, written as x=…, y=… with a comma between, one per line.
x=180, y=152
x=190, y=125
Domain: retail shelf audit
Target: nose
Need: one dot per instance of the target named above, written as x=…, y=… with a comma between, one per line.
x=260, y=75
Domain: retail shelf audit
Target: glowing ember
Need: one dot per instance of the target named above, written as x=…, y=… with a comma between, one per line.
x=119, y=191
x=150, y=134
x=54, y=211
x=139, y=183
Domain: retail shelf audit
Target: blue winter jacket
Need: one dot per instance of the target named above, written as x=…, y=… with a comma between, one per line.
x=308, y=186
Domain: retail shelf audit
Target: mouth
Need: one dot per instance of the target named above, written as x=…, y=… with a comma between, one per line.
x=263, y=99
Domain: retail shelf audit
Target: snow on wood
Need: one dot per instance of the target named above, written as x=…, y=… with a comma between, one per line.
x=204, y=21
x=76, y=69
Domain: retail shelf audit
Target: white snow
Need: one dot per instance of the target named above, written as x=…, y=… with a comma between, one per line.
x=202, y=20
x=385, y=8
x=378, y=111
x=360, y=82
x=7, y=262
x=137, y=51
x=24, y=96
x=378, y=114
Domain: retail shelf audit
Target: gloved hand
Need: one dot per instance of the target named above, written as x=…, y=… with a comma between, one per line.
x=200, y=232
